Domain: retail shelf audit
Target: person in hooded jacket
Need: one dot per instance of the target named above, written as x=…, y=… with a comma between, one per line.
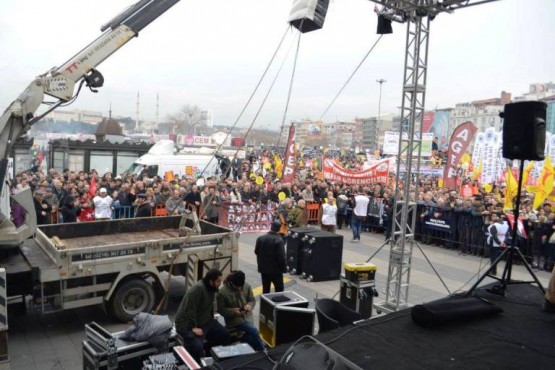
x=236, y=303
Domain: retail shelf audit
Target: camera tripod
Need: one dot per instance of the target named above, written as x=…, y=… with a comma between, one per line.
x=512, y=252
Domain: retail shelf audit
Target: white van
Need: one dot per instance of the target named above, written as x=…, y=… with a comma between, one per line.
x=162, y=158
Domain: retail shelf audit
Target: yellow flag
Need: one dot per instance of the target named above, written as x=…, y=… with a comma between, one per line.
x=511, y=190
x=526, y=172
x=545, y=183
x=279, y=166
x=478, y=172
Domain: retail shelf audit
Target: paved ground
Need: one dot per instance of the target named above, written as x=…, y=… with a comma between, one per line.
x=54, y=341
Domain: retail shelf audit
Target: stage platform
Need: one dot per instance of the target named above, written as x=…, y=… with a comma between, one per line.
x=521, y=337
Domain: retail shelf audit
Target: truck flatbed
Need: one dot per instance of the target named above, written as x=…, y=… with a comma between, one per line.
x=117, y=238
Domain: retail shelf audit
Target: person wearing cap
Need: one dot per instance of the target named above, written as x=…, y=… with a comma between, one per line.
x=53, y=201
x=103, y=205
x=236, y=303
x=42, y=208
x=270, y=257
x=143, y=206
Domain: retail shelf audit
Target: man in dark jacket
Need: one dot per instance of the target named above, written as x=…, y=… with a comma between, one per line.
x=195, y=321
x=270, y=257
x=143, y=206
x=42, y=208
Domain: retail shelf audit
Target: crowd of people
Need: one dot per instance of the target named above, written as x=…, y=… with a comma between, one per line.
x=472, y=223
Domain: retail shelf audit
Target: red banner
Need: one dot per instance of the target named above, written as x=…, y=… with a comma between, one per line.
x=460, y=140
x=290, y=165
x=377, y=174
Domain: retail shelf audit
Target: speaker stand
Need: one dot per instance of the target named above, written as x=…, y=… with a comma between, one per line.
x=511, y=252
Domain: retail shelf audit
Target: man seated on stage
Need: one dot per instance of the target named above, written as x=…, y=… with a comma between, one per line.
x=235, y=303
x=195, y=320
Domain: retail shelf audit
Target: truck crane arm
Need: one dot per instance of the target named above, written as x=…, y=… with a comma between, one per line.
x=60, y=83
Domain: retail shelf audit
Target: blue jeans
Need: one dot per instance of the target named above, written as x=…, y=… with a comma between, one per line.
x=251, y=336
x=356, y=226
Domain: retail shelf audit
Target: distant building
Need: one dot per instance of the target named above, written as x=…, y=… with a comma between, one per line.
x=537, y=91
x=482, y=113
x=109, y=130
x=373, y=130
x=207, y=118
x=76, y=115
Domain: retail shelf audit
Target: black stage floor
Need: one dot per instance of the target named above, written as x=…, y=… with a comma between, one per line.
x=521, y=337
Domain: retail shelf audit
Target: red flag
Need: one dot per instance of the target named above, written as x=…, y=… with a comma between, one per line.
x=521, y=230
x=460, y=140
x=290, y=165
x=92, y=188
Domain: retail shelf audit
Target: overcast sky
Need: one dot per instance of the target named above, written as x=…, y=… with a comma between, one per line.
x=211, y=53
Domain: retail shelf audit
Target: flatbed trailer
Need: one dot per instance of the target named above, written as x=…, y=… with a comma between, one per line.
x=116, y=263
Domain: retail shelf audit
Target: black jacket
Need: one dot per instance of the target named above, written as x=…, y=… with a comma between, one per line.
x=144, y=210
x=270, y=253
x=41, y=219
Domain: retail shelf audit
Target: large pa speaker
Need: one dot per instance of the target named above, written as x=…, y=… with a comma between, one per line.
x=294, y=246
x=309, y=353
x=524, y=130
x=322, y=255
x=308, y=15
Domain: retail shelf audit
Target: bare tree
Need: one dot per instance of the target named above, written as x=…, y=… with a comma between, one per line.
x=186, y=120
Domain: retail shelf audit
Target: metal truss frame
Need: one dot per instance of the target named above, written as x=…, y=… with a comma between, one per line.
x=408, y=163
x=417, y=14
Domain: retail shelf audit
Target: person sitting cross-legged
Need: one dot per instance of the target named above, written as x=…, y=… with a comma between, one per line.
x=235, y=303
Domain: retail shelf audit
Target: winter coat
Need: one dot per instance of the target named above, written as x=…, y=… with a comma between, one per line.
x=270, y=253
x=229, y=298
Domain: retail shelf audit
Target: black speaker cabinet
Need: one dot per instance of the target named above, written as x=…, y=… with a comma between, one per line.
x=524, y=130
x=308, y=15
x=322, y=255
x=294, y=245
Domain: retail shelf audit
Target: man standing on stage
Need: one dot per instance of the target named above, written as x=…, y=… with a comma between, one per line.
x=498, y=232
x=270, y=256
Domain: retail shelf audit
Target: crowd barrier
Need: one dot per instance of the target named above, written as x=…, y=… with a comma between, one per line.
x=313, y=211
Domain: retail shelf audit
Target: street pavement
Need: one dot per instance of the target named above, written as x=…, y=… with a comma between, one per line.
x=54, y=341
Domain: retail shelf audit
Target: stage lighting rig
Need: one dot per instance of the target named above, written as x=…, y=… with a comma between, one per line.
x=401, y=10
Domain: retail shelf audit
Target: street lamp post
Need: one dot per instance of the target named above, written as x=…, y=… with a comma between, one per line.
x=378, y=120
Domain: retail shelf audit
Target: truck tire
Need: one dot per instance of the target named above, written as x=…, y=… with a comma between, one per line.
x=131, y=298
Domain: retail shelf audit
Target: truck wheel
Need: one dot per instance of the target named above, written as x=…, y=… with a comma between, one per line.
x=131, y=298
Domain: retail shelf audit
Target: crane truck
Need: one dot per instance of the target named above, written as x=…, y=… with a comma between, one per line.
x=119, y=264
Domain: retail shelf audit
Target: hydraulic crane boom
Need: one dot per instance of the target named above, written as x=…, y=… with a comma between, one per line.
x=60, y=82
